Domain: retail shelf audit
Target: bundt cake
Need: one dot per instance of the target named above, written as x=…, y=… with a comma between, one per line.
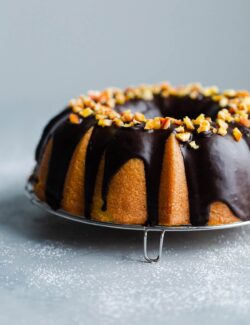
x=149, y=155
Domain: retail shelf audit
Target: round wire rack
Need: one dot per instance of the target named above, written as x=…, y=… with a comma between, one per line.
x=146, y=229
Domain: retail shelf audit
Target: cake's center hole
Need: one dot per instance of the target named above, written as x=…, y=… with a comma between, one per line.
x=176, y=107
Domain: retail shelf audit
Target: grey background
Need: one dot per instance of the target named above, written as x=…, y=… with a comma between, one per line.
x=55, y=272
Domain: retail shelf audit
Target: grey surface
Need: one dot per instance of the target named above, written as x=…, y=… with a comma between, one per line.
x=53, y=271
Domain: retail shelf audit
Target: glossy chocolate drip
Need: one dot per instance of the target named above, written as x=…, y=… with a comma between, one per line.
x=219, y=171
x=150, y=108
x=98, y=142
x=179, y=107
x=129, y=143
x=65, y=139
x=245, y=131
x=48, y=131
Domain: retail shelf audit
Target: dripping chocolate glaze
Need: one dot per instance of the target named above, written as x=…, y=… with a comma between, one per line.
x=48, y=131
x=46, y=135
x=99, y=140
x=218, y=171
x=148, y=146
x=65, y=139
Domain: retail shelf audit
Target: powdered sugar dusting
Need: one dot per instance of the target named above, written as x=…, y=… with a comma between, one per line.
x=197, y=272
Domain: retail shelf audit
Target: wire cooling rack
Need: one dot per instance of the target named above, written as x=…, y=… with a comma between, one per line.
x=146, y=229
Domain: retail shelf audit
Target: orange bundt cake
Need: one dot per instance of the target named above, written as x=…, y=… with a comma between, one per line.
x=149, y=155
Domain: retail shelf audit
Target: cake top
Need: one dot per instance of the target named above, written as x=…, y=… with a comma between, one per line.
x=108, y=107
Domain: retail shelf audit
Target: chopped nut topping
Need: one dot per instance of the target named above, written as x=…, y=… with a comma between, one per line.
x=100, y=116
x=140, y=117
x=94, y=95
x=223, y=102
x=180, y=129
x=235, y=107
x=222, y=124
x=229, y=93
x=199, y=119
x=76, y=109
x=118, y=122
x=105, y=122
x=86, y=112
x=210, y=91
x=222, y=131
x=120, y=99
x=244, y=121
x=224, y=114
x=188, y=123
x=242, y=93
x=204, y=126
x=127, y=116
x=128, y=125
x=165, y=123
x=87, y=102
x=194, y=94
x=149, y=125
x=74, y=119
x=129, y=93
x=216, y=98
x=237, y=134
x=157, y=123
x=112, y=115
x=175, y=121
x=194, y=145
x=183, y=137
x=147, y=94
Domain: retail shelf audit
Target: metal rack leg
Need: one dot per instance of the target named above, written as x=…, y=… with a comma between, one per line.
x=147, y=258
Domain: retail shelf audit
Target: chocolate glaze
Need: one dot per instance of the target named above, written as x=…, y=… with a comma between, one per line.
x=218, y=171
x=179, y=107
x=100, y=139
x=150, y=108
x=148, y=146
x=49, y=130
x=46, y=135
x=65, y=139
